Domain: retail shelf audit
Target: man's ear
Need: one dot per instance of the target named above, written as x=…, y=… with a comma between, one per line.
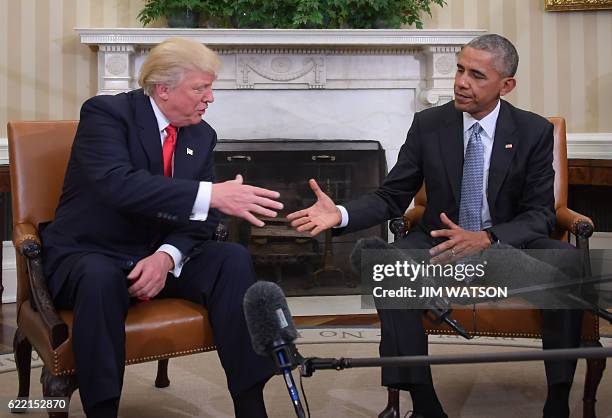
x=161, y=91
x=508, y=84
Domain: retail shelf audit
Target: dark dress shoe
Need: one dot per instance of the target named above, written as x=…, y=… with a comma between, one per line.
x=392, y=408
x=419, y=415
x=389, y=412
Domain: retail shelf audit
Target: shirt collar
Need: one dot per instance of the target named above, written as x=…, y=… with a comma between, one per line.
x=162, y=120
x=487, y=123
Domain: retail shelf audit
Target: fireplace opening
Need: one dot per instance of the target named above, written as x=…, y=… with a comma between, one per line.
x=345, y=169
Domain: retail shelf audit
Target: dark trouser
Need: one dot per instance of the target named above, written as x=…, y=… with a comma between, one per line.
x=402, y=332
x=96, y=290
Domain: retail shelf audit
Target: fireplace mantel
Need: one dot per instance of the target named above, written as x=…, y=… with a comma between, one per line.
x=304, y=83
x=296, y=58
x=419, y=61
x=394, y=72
x=280, y=37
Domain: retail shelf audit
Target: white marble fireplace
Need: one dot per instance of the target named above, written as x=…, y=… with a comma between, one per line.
x=304, y=84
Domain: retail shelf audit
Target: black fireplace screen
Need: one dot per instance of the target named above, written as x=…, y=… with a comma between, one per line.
x=302, y=265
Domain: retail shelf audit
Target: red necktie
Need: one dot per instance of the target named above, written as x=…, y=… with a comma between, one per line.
x=168, y=149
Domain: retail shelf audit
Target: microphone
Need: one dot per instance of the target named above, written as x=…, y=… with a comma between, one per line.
x=272, y=332
x=439, y=307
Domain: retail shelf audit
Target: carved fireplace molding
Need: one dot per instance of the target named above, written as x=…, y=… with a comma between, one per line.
x=418, y=63
x=297, y=59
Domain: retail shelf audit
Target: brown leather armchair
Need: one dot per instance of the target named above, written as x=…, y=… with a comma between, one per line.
x=155, y=330
x=521, y=323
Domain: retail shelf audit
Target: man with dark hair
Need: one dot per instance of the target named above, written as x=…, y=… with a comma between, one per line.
x=136, y=220
x=489, y=175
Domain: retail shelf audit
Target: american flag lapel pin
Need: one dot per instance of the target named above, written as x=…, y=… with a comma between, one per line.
x=508, y=146
x=189, y=151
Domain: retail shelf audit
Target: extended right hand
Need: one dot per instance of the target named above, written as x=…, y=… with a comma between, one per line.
x=236, y=199
x=319, y=217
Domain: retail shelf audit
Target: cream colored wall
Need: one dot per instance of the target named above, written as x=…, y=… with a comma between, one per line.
x=565, y=69
x=45, y=73
x=565, y=64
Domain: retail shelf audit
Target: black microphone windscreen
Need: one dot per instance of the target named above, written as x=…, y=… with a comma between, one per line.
x=268, y=318
x=370, y=243
x=395, y=253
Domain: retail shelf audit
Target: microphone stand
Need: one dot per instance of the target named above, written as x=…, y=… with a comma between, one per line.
x=287, y=358
x=438, y=314
x=440, y=311
x=582, y=303
x=311, y=364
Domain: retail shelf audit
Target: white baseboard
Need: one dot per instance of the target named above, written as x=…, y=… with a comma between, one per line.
x=588, y=145
x=601, y=241
x=9, y=273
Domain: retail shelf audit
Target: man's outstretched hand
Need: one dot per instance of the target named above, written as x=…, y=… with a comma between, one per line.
x=236, y=199
x=319, y=217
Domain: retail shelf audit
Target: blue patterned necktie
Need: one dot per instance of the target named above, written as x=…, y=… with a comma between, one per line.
x=470, y=209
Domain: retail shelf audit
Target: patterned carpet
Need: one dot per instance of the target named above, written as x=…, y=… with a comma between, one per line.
x=197, y=389
x=350, y=335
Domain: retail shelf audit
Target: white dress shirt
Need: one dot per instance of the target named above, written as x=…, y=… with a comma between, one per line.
x=199, y=212
x=488, y=124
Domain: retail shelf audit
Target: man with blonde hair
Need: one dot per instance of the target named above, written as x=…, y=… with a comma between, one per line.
x=136, y=220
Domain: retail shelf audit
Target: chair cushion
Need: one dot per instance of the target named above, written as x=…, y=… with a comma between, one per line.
x=515, y=323
x=156, y=329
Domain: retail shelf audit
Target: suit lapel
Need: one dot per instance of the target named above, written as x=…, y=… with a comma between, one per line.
x=186, y=154
x=451, y=149
x=504, y=147
x=149, y=133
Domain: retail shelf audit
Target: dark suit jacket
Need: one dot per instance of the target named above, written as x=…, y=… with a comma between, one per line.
x=520, y=188
x=116, y=200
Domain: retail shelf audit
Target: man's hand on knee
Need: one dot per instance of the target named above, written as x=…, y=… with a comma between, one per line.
x=149, y=275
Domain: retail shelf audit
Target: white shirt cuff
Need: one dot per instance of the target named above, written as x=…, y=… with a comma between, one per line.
x=177, y=257
x=202, y=202
x=345, y=218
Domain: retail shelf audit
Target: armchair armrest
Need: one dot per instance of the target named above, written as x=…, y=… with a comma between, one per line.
x=413, y=216
x=579, y=225
x=23, y=235
x=28, y=244
x=400, y=226
x=397, y=226
x=221, y=233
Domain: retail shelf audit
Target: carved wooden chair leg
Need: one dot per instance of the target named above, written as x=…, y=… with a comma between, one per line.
x=57, y=387
x=23, y=361
x=595, y=369
x=392, y=409
x=162, y=381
